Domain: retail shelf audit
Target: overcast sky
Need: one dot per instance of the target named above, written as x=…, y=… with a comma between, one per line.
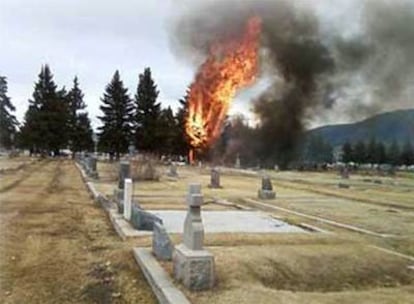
x=93, y=38
x=90, y=39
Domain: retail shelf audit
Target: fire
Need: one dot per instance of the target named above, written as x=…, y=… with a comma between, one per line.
x=230, y=66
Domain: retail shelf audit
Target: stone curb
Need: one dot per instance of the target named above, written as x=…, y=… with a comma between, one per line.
x=158, y=279
x=122, y=227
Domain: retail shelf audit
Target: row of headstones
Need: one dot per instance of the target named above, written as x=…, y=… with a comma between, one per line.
x=89, y=164
x=265, y=192
x=192, y=264
x=130, y=209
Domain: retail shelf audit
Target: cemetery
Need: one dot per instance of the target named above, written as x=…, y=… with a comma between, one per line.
x=310, y=240
x=225, y=152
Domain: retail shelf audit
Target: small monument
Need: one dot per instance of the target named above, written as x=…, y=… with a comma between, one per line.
x=344, y=172
x=193, y=265
x=266, y=192
x=162, y=246
x=172, y=171
x=124, y=172
x=128, y=192
x=92, y=168
x=214, y=179
x=237, y=164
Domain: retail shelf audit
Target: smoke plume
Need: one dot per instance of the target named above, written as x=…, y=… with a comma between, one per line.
x=315, y=66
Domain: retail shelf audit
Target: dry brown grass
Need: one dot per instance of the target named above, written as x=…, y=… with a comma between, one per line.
x=307, y=273
x=56, y=246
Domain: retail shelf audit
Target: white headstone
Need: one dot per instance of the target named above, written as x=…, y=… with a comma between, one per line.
x=128, y=191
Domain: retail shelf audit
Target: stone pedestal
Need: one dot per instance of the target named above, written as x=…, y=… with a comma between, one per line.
x=215, y=179
x=124, y=172
x=194, y=268
x=266, y=192
x=128, y=192
x=193, y=265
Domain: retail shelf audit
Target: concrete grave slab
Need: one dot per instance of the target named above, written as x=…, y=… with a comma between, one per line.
x=227, y=221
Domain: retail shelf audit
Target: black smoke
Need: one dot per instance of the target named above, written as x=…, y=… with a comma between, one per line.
x=311, y=69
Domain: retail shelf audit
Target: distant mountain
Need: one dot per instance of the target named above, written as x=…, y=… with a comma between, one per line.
x=385, y=127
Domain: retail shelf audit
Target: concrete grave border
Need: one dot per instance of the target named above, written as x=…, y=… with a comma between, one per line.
x=160, y=282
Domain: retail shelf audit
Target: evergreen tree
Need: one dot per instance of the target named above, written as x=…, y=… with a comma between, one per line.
x=168, y=130
x=393, y=153
x=84, y=139
x=148, y=114
x=79, y=127
x=318, y=150
x=181, y=139
x=116, y=132
x=347, y=153
x=8, y=121
x=45, y=127
x=380, y=154
x=407, y=154
x=371, y=150
x=360, y=154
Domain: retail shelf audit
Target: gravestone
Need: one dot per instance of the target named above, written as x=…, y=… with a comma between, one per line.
x=92, y=168
x=162, y=246
x=172, y=172
x=192, y=264
x=237, y=164
x=215, y=179
x=128, y=192
x=344, y=173
x=124, y=172
x=266, y=191
x=143, y=220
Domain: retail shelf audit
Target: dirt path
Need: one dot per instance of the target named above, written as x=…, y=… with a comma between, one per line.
x=56, y=246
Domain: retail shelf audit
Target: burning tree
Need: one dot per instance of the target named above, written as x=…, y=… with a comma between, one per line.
x=231, y=65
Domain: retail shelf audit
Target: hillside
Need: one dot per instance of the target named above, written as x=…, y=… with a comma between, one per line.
x=385, y=127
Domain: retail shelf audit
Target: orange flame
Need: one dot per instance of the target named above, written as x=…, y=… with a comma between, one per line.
x=230, y=66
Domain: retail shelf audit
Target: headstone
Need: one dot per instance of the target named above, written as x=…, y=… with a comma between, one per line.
x=215, y=178
x=344, y=173
x=124, y=172
x=192, y=264
x=162, y=246
x=143, y=220
x=92, y=170
x=128, y=192
x=237, y=164
x=172, y=172
x=266, y=192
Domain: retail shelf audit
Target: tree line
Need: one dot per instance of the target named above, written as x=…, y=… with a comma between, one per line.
x=376, y=152
x=57, y=119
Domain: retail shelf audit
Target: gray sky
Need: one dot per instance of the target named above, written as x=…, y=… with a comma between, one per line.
x=90, y=39
x=93, y=38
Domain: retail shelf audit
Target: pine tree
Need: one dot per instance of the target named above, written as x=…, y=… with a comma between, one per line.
x=181, y=139
x=168, y=130
x=8, y=122
x=45, y=127
x=371, y=150
x=116, y=132
x=84, y=139
x=380, y=154
x=393, y=153
x=360, y=154
x=347, y=153
x=79, y=127
x=407, y=154
x=148, y=114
